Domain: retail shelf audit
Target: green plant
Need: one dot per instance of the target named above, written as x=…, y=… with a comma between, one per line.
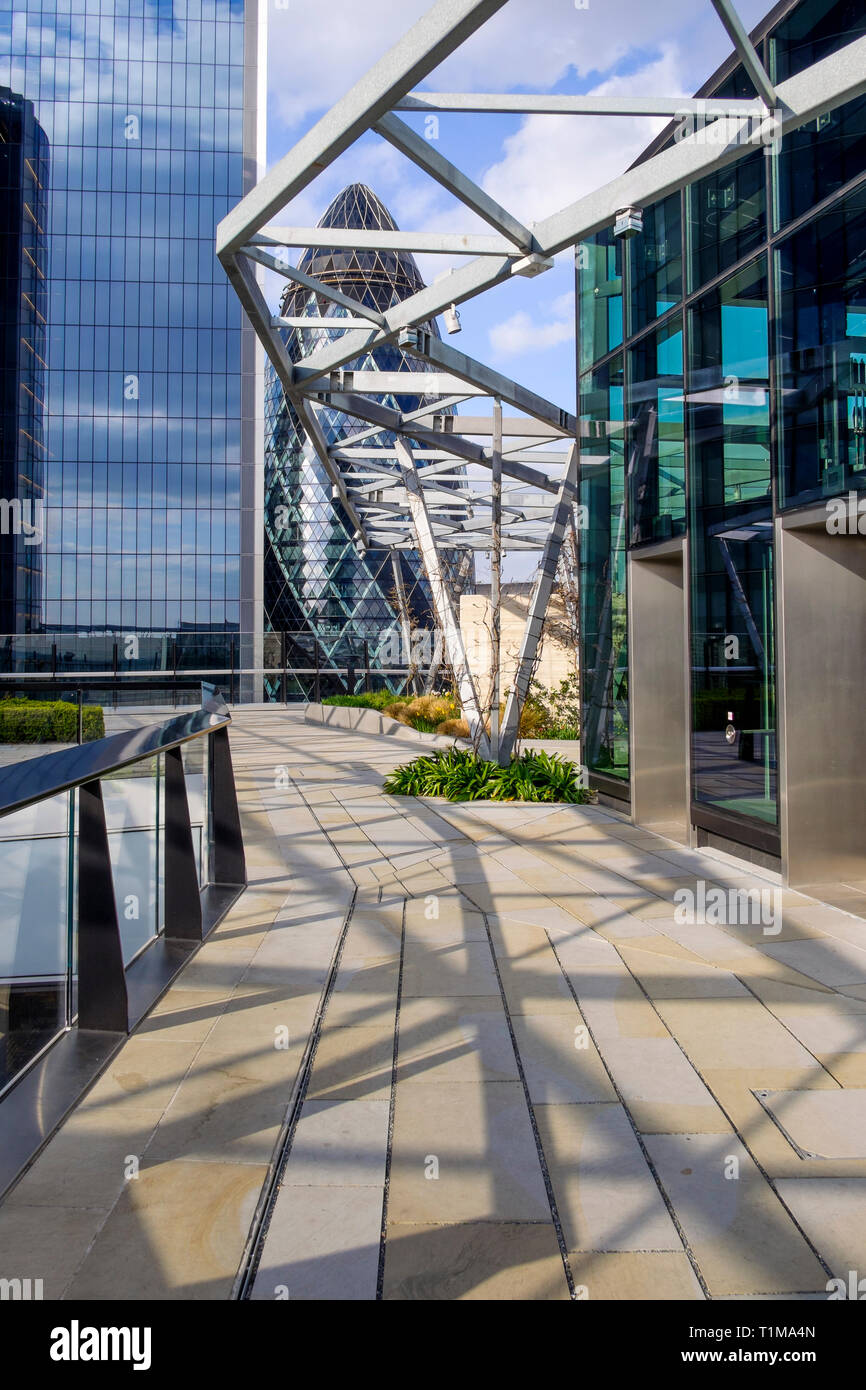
x=48, y=721
x=423, y=712
x=460, y=775
x=552, y=713
x=375, y=699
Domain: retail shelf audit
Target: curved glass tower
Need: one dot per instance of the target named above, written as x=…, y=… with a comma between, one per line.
x=319, y=588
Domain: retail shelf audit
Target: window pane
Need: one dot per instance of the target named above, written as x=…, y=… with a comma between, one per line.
x=733, y=667
x=656, y=468
x=822, y=355
x=656, y=263
x=599, y=268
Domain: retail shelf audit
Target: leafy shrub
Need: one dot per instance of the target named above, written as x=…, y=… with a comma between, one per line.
x=460, y=775
x=375, y=699
x=422, y=712
x=552, y=713
x=48, y=721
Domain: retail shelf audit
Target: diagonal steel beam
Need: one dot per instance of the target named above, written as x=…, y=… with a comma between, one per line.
x=421, y=343
x=831, y=82
x=362, y=408
x=422, y=153
x=746, y=49
x=423, y=48
x=443, y=603
x=291, y=272
x=538, y=608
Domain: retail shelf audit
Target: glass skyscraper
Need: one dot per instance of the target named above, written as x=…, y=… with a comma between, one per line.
x=141, y=118
x=320, y=588
x=24, y=279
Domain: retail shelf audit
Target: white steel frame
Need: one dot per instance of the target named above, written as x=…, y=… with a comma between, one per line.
x=413, y=506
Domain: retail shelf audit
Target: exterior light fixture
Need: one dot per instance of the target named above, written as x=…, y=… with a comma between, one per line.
x=452, y=319
x=629, y=222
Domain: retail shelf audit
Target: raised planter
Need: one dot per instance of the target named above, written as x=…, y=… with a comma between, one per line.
x=370, y=721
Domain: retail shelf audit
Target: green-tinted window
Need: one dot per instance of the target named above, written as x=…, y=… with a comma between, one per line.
x=656, y=461
x=822, y=355
x=599, y=278
x=828, y=152
x=733, y=665
x=813, y=30
x=656, y=263
x=604, y=664
x=726, y=211
x=727, y=217
x=818, y=159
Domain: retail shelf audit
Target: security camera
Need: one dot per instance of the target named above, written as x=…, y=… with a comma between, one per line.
x=452, y=319
x=629, y=222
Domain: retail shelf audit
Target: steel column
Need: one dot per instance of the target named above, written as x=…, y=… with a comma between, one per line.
x=229, y=863
x=442, y=601
x=102, y=998
x=183, y=919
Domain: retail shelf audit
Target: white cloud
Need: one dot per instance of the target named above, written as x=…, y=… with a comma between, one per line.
x=530, y=44
x=553, y=160
x=523, y=332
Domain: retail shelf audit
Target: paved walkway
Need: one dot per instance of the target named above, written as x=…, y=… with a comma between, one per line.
x=498, y=1065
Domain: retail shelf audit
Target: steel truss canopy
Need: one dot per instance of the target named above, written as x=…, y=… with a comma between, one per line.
x=393, y=505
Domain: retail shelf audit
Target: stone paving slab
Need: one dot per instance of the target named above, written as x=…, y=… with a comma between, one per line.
x=486, y=1056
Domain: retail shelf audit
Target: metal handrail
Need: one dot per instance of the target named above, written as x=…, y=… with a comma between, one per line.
x=103, y=1001
x=34, y=779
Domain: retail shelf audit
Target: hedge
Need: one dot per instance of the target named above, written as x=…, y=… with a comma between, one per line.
x=48, y=721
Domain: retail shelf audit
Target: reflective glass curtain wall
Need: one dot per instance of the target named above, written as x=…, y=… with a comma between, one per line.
x=149, y=398
x=318, y=586
x=24, y=276
x=736, y=321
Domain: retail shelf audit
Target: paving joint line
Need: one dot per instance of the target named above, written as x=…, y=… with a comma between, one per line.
x=545, y=1171
x=383, y=1234
x=260, y=1224
x=692, y=1258
x=742, y=1138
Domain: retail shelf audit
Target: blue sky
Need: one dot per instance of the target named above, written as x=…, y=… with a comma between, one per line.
x=533, y=165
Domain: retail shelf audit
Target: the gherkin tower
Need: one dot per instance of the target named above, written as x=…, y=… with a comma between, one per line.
x=318, y=587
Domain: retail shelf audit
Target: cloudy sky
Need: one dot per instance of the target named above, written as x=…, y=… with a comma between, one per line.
x=532, y=165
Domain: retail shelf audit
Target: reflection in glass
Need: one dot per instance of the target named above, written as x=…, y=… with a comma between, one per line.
x=142, y=370
x=733, y=662
x=827, y=152
x=133, y=818
x=727, y=216
x=822, y=355
x=24, y=269
x=604, y=665
x=317, y=584
x=656, y=458
x=34, y=931
x=656, y=263
x=599, y=270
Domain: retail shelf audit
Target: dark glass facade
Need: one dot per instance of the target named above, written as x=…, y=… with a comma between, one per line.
x=148, y=408
x=24, y=280
x=320, y=587
x=743, y=397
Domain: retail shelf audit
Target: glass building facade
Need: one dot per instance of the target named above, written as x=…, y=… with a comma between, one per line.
x=24, y=279
x=722, y=358
x=137, y=133
x=339, y=605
